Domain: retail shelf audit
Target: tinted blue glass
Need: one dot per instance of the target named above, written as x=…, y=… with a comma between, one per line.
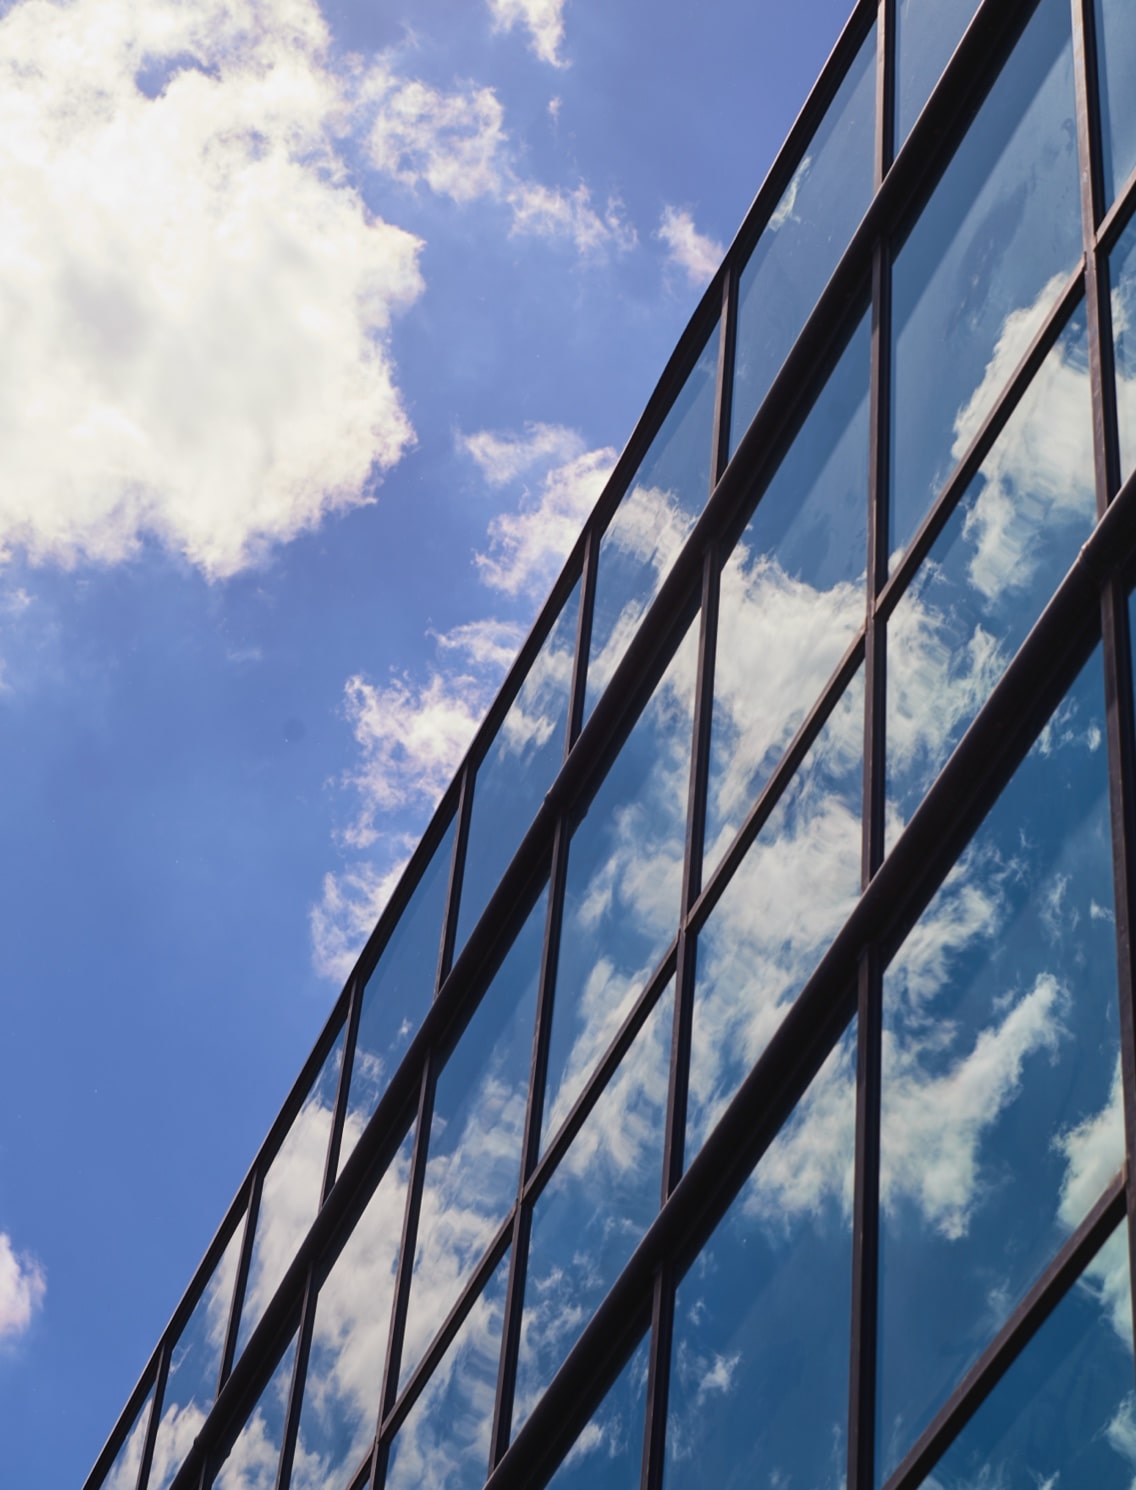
x=653, y=521
x=805, y=237
x=990, y=573
x=518, y=768
x=984, y=263
x=474, y=1161
x=398, y=993
x=1001, y=1119
x=597, y=1205
x=123, y=1473
x=792, y=596
x=444, y=1442
x=621, y=902
x=759, y=1377
x=1122, y=271
x=1065, y=1413
x=349, y=1339
x=786, y=901
x=1116, y=53
x=252, y=1462
x=608, y=1454
x=926, y=33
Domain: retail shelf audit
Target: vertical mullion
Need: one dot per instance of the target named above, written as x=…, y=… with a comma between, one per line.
x=148, y=1442
x=457, y=870
x=724, y=388
x=583, y=637
x=240, y=1282
x=343, y=1086
x=299, y=1378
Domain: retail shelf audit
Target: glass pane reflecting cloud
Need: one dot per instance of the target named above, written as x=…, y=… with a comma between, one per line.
x=759, y=1377
x=1116, y=53
x=653, y=521
x=601, y=1199
x=123, y=1473
x=340, y=1409
x=1122, y=272
x=792, y=596
x=984, y=263
x=473, y=1166
x=290, y=1196
x=990, y=573
x=609, y=1452
x=788, y=898
x=1065, y=1412
x=195, y=1365
x=621, y=904
x=398, y=993
x=518, y=768
x=926, y=33
x=1001, y=1114
x=444, y=1442
x=252, y=1462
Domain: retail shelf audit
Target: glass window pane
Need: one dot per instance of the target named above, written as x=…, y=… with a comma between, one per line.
x=787, y=899
x=195, y=1366
x=1001, y=1116
x=444, y=1442
x=1065, y=1413
x=759, y=1375
x=805, y=238
x=1116, y=52
x=340, y=1409
x=473, y=1168
x=290, y=1196
x=123, y=1473
x=926, y=34
x=608, y=1454
x=518, y=768
x=398, y=993
x=990, y=573
x=984, y=264
x=652, y=522
x=252, y=1462
x=1122, y=270
x=624, y=882
x=792, y=596
x=603, y=1196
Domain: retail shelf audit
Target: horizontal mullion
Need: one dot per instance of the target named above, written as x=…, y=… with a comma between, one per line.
x=1117, y=217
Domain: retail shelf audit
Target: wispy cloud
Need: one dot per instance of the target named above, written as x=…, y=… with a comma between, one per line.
x=689, y=250
x=23, y=1286
x=542, y=19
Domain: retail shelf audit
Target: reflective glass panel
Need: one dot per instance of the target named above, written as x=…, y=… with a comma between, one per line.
x=474, y=1161
x=518, y=768
x=984, y=263
x=759, y=1375
x=786, y=901
x=621, y=903
x=608, y=1454
x=653, y=521
x=926, y=33
x=603, y=1196
x=195, y=1365
x=123, y=1473
x=290, y=1196
x=1001, y=1117
x=1116, y=53
x=805, y=237
x=792, y=596
x=990, y=573
x=342, y=1388
x=252, y=1462
x=398, y=993
x=1064, y=1414
x=444, y=1442
x=1122, y=271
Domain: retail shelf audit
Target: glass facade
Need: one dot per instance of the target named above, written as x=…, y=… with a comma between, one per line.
x=734, y=1091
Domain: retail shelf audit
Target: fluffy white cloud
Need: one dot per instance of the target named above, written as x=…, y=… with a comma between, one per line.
x=23, y=1284
x=194, y=305
x=688, y=249
x=503, y=456
x=543, y=19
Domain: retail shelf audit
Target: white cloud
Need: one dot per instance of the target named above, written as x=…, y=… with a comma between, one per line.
x=23, y=1285
x=543, y=19
x=350, y=904
x=691, y=251
x=503, y=456
x=194, y=304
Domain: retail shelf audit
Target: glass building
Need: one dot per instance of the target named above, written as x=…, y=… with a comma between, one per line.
x=740, y=1088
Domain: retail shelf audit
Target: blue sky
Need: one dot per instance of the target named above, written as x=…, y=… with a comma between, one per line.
x=322, y=329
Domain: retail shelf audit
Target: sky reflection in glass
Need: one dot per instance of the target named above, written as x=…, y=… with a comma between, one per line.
x=984, y=263
x=653, y=521
x=473, y=1165
x=1001, y=1119
x=252, y=1462
x=805, y=237
x=340, y=1409
x=991, y=571
x=123, y=1473
x=792, y=596
x=926, y=33
x=621, y=904
x=608, y=1454
x=1122, y=273
x=759, y=1377
x=1116, y=62
x=1064, y=1415
x=603, y=1196
x=788, y=898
